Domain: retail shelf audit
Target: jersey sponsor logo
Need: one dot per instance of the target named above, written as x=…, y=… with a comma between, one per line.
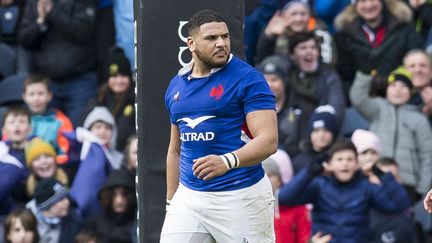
x=217, y=92
x=192, y=123
x=196, y=136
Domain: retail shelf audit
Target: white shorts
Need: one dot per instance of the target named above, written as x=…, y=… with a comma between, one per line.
x=244, y=216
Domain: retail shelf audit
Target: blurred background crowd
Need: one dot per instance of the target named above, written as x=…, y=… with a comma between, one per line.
x=357, y=70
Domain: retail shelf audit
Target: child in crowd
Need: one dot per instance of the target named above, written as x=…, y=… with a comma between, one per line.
x=41, y=160
x=101, y=123
x=47, y=123
x=322, y=131
x=98, y=157
x=56, y=220
x=404, y=132
x=292, y=224
x=117, y=222
x=384, y=226
x=398, y=226
x=21, y=227
x=16, y=128
x=368, y=151
x=342, y=199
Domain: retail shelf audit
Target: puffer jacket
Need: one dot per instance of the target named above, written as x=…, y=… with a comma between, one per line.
x=354, y=49
x=342, y=209
x=404, y=132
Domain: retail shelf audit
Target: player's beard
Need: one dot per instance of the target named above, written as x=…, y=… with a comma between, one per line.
x=209, y=62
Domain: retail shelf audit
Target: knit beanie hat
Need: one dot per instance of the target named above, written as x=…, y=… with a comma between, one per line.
x=117, y=63
x=273, y=65
x=364, y=140
x=323, y=117
x=101, y=113
x=400, y=74
x=291, y=3
x=48, y=192
x=37, y=147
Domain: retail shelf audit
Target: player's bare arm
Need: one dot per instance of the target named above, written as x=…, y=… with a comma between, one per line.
x=263, y=126
x=172, y=162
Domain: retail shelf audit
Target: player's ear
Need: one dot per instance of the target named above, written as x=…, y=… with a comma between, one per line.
x=191, y=43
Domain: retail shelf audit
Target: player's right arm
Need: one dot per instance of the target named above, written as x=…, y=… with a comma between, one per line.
x=172, y=162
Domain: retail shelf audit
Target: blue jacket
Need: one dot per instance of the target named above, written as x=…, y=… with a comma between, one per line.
x=342, y=209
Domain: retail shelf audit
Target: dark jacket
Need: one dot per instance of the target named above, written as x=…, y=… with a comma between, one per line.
x=64, y=47
x=305, y=92
x=391, y=227
x=355, y=52
x=342, y=209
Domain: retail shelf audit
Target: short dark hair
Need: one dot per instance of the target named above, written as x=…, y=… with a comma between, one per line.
x=203, y=17
x=35, y=78
x=16, y=110
x=300, y=37
x=342, y=146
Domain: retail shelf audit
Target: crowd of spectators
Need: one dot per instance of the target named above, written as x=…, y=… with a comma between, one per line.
x=343, y=70
x=340, y=70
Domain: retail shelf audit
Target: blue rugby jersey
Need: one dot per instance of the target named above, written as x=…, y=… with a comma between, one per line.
x=211, y=115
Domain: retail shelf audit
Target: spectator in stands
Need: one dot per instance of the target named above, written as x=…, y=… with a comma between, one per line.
x=397, y=226
x=404, y=132
x=41, y=160
x=295, y=17
x=292, y=224
x=95, y=142
x=342, y=200
x=117, y=223
x=48, y=123
x=419, y=63
x=322, y=130
x=310, y=84
x=117, y=95
x=373, y=35
x=21, y=227
x=131, y=154
x=56, y=219
x=60, y=34
x=15, y=60
x=16, y=132
x=368, y=150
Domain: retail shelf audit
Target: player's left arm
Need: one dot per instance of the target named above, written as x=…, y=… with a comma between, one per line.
x=262, y=125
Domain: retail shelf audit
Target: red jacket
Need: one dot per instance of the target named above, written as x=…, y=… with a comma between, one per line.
x=292, y=224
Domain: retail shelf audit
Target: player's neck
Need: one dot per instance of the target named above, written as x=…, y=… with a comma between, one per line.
x=200, y=70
